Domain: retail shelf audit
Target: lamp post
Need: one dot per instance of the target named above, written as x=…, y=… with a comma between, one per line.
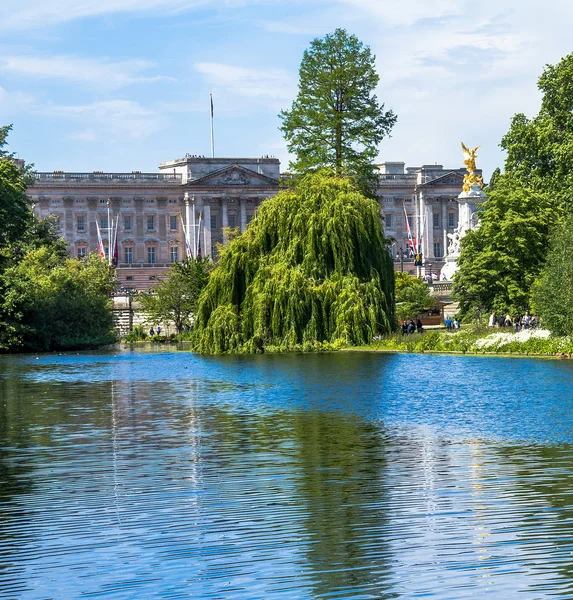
x=401, y=255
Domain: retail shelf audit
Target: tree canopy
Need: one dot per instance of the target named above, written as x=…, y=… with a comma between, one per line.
x=553, y=291
x=412, y=296
x=47, y=300
x=175, y=298
x=336, y=120
x=500, y=261
x=312, y=267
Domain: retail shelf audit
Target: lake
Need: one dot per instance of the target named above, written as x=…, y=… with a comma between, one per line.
x=140, y=474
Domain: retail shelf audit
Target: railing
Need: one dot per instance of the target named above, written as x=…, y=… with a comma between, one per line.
x=97, y=176
x=406, y=177
x=441, y=288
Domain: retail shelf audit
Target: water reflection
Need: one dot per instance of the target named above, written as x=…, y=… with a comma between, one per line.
x=141, y=475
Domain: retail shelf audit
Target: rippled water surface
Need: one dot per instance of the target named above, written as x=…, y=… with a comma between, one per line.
x=142, y=474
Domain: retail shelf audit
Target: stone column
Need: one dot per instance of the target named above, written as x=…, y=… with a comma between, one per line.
x=68, y=224
x=224, y=215
x=139, y=249
x=428, y=224
x=206, y=241
x=163, y=246
x=243, y=208
x=444, y=227
x=92, y=202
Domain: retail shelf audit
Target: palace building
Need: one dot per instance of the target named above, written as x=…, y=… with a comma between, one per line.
x=197, y=198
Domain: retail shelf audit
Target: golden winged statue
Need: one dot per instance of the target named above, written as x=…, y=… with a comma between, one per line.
x=470, y=163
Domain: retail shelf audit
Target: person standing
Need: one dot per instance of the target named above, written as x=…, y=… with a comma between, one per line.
x=492, y=319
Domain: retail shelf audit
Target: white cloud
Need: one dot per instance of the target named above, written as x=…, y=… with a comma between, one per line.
x=99, y=73
x=12, y=103
x=114, y=120
x=264, y=83
x=43, y=13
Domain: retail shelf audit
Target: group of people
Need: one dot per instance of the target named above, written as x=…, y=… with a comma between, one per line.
x=452, y=323
x=409, y=327
x=519, y=321
x=152, y=331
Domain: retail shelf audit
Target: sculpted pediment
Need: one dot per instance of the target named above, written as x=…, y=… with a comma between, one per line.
x=448, y=180
x=233, y=175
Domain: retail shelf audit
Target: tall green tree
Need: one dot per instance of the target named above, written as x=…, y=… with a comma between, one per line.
x=51, y=303
x=47, y=300
x=15, y=206
x=412, y=296
x=553, y=291
x=175, y=298
x=500, y=261
x=312, y=267
x=336, y=120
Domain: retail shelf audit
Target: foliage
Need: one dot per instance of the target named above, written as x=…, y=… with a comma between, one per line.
x=478, y=340
x=412, y=296
x=137, y=334
x=53, y=303
x=540, y=150
x=500, y=260
x=47, y=301
x=15, y=208
x=312, y=267
x=493, y=180
x=553, y=292
x=336, y=120
x=175, y=298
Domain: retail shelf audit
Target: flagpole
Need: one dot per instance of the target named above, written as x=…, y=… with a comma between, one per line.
x=109, y=227
x=194, y=247
x=211, y=121
x=199, y=235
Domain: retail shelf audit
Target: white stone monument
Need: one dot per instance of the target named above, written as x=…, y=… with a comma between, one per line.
x=469, y=200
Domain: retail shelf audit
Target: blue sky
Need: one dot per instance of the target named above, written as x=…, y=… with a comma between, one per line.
x=120, y=85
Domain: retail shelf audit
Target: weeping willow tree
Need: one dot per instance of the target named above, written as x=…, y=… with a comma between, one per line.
x=312, y=269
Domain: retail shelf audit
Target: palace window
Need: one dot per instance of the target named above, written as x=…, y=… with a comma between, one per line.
x=127, y=222
x=173, y=223
x=173, y=201
x=437, y=250
x=103, y=222
x=232, y=221
x=82, y=252
x=151, y=254
x=213, y=221
x=128, y=255
x=410, y=221
x=451, y=220
x=174, y=253
x=150, y=222
x=81, y=222
x=388, y=219
x=388, y=200
x=436, y=219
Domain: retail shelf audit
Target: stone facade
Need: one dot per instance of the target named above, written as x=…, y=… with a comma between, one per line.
x=151, y=208
x=429, y=196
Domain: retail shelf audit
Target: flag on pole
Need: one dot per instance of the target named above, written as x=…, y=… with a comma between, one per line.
x=411, y=244
x=199, y=236
x=115, y=257
x=100, y=248
x=187, y=245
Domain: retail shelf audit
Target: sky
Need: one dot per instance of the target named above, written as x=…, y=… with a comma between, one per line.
x=121, y=85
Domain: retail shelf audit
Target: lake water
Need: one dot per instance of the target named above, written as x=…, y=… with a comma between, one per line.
x=154, y=474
